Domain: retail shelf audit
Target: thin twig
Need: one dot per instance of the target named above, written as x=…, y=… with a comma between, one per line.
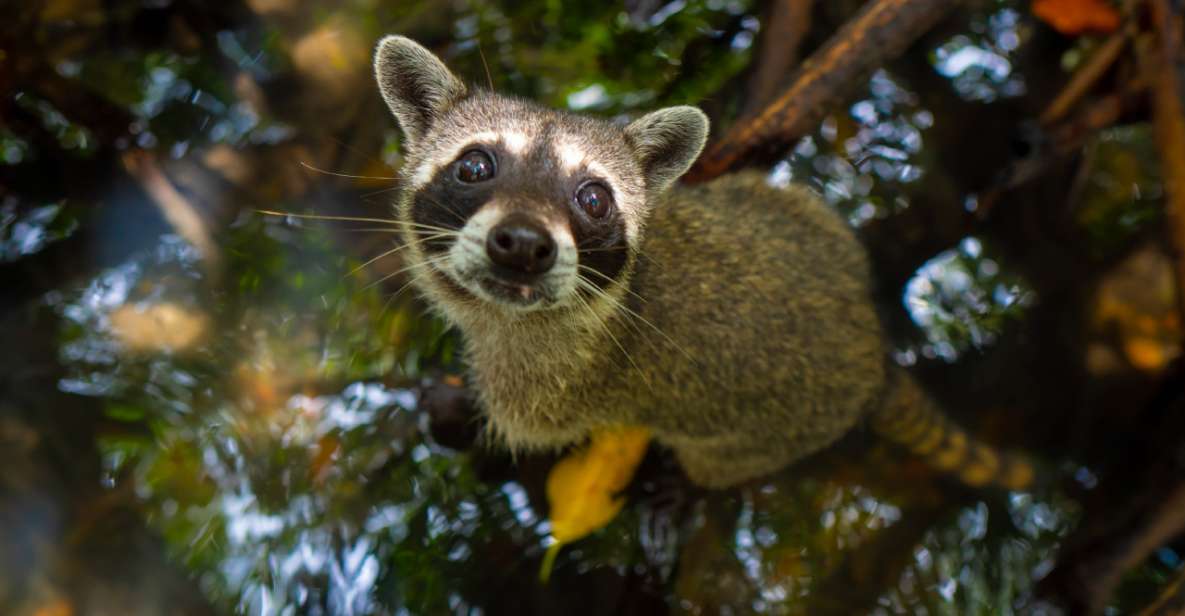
x=179, y=211
x=1065, y=139
x=1087, y=76
x=1171, y=601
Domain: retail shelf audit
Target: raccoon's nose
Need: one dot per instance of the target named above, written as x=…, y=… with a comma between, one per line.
x=521, y=244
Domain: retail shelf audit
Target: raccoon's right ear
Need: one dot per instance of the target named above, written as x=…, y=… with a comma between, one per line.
x=416, y=85
x=666, y=142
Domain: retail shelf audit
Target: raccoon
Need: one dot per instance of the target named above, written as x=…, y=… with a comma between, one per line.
x=733, y=319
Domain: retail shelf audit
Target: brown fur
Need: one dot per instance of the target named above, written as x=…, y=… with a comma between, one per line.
x=741, y=328
x=755, y=344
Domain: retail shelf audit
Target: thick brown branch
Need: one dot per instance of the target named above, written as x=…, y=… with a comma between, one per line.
x=1165, y=61
x=881, y=31
x=782, y=33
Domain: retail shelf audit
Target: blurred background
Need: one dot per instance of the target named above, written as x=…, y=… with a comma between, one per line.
x=209, y=409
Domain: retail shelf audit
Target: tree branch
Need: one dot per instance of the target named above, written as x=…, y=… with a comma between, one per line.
x=1171, y=601
x=882, y=30
x=1164, y=60
x=1085, y=78
x=782, y=34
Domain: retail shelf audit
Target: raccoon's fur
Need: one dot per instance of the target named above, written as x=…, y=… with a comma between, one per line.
x=734, y=319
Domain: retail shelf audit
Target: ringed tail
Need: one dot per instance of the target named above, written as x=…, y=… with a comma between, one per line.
x=911, y=419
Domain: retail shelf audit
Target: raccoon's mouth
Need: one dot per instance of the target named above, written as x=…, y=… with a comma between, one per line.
x=489, y=285
x=516, y=293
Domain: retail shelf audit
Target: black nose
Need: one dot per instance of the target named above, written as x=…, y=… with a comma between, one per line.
x=521, y=244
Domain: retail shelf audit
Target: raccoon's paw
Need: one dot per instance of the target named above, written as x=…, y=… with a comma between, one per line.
x=453, y=417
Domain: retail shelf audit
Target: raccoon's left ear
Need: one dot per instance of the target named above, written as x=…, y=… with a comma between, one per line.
x=417, y=86
x=666, y=142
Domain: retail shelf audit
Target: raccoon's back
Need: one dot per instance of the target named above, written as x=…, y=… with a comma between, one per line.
x=765, y=292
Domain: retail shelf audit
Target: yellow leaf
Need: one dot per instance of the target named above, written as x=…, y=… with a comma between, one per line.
x=583, y=488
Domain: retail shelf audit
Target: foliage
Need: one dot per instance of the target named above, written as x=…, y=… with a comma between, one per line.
x=281, y=455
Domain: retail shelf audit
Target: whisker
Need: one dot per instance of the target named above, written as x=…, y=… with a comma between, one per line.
x=602, y=249
x=370, y=230
x=446, y=208
x=609, y=333
x=482, y=55
x=382, y=221
x=379, y=192
x=638, y=250
x=414, y=227
x=434, y=202
x=399, y=292
x=627, y=289
x=365, y=154
x=428, y=227
x=628, y=316
x=392, y=228
x=424, y=263
x=591, y=294
x=643, y=255
x=344, y=175
x=589, y=286
x=393, y=251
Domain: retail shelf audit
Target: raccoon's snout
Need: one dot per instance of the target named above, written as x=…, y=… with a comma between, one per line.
x=521, y=244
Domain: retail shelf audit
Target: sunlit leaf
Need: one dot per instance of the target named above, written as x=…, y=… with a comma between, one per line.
x=583, y=489
x=1075, y=17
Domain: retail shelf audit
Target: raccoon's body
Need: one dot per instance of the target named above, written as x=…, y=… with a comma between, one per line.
x=734, y=319
x=776, y=283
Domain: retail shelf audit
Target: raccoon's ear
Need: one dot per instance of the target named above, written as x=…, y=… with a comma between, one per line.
x=417, y=86
x=666, y=142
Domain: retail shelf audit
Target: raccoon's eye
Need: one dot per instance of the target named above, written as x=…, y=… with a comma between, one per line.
x=475, y=166
x=594, y=199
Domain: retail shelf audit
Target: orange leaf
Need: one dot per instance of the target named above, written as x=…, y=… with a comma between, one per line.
x=583, y=488
x=1075, y=17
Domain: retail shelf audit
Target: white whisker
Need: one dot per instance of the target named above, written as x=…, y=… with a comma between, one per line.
x=344, y=175
x=627, y=290
x=424, y=263
x=382, y=221
x=395, y=250
x=587, y=285
x=605, y=327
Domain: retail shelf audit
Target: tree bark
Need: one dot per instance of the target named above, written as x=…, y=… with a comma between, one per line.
x=879, y=32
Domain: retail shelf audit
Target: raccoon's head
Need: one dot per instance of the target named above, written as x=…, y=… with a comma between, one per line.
x=510, y=205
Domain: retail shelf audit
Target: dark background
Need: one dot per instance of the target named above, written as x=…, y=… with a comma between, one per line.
x=205, y=408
